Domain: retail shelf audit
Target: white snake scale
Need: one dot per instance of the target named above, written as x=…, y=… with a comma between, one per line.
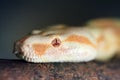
x=98, y=40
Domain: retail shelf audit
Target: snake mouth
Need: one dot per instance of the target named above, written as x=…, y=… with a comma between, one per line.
x=28, y=59
x=32, y=60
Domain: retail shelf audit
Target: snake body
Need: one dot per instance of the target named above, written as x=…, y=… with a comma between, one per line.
x=70, y=44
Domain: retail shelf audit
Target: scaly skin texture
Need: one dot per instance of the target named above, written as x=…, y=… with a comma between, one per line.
x=113, y=26
x=69, y=44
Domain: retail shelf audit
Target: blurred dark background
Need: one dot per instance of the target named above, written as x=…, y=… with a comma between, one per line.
x=19, y=17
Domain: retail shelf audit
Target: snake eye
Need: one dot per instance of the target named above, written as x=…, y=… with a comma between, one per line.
x=56, y=42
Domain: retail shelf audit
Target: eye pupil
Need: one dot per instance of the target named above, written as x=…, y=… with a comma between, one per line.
x=56, y=42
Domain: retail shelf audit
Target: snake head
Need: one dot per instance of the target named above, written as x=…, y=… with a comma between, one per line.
x=59, y=45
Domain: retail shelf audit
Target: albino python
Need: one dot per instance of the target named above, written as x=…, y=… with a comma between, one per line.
x=99, y=40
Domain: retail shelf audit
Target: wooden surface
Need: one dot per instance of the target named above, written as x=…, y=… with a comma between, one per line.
x=21, y=70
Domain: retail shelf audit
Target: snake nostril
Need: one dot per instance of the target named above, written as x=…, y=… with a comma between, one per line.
x=56, y=42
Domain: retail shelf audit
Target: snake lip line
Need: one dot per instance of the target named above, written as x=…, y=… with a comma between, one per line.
x=25, y=57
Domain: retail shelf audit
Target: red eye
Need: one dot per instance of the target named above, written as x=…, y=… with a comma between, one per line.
x=56, y=42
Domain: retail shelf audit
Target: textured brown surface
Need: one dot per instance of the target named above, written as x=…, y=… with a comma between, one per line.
x=20, y=70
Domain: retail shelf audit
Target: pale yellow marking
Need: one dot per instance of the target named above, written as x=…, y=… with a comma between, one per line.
x=104, y=23
x=40, y=48
x=80, y=39
x=100, y=38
